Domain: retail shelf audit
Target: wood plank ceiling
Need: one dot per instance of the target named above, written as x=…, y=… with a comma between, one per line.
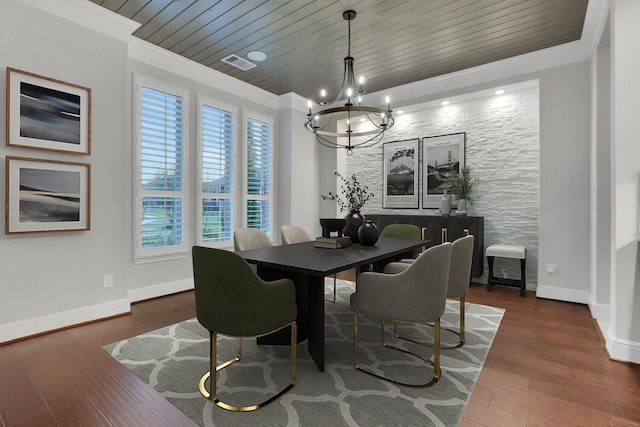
x=393, y=42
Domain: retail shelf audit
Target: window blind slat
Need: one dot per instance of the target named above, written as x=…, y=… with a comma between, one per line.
x=162, y=168
x=258, y=174
x=217, y=174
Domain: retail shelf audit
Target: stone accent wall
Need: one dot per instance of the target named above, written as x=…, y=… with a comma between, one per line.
x=502, y=149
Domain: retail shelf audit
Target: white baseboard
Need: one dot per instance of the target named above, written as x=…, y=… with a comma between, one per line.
x=563, y=294
x=600, y=312
x=39, y=325
x=623, y=350
x=160, y=290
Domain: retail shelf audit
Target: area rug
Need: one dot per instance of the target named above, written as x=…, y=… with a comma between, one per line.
x=172, y=360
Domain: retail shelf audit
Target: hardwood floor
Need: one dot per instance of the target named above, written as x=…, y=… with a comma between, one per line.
x=546, y=367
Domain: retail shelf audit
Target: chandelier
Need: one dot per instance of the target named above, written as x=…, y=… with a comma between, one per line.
x=374, y=121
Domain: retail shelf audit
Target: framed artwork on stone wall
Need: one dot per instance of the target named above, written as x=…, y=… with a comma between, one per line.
x=400, y=174
x=442, y=157
x=46, y=195
x=47, y=114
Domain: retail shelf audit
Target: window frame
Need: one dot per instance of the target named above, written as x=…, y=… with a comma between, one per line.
x=246, y=116
x=203, y=100
x=159, y=253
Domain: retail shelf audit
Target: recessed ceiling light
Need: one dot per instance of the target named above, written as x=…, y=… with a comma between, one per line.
x=256, y=55
x=499, y=92
x=400, y=112
x=445, y=103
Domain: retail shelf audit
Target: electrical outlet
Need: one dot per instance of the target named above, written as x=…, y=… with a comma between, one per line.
x=107, y=281
x=551, y=269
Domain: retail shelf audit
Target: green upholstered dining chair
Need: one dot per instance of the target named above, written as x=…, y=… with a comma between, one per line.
x=402, y=231
x=232, y=300
x=459, y=279
x=415, y=295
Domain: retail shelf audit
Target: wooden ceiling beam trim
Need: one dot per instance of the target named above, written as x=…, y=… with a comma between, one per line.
x=233, y=35
x=428, y=56
x=220, y=20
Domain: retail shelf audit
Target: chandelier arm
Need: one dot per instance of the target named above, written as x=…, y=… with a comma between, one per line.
x=369, y=142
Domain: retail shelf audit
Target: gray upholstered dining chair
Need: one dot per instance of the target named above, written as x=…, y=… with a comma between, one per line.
x=415, y=295
x=459, y=279
x=245, y=239
x=232, y=300
x=295, y=234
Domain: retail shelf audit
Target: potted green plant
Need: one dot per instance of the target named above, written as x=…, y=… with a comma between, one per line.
x=354, y=196
x=461, y=186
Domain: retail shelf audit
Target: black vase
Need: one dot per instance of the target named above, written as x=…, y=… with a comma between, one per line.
x=354, y=220
x=368, y=233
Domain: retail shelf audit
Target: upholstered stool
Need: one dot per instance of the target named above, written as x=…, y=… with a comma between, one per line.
x=507, y=251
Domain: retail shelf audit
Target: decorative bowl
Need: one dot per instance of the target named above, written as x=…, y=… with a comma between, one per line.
x=330, y=225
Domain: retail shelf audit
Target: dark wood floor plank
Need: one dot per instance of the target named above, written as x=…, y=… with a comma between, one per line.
x=19, y=395
x=619, y=422
x=66, y=398
x=41, y=419
x=478, y=415
x=537, y=408
x=609, y=400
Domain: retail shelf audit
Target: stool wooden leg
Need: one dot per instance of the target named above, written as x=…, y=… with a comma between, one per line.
x=490, y=278
x=523, y=283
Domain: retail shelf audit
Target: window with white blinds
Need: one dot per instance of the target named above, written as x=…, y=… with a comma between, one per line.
x=216, y=172
x=161, y=207
x=258, y=197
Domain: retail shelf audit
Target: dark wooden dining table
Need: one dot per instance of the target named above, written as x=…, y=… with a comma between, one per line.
x=307, y=266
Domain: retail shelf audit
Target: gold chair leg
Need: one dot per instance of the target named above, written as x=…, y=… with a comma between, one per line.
x=213, y=395
x=436, y=355
x=334, y=290
x=459, y=333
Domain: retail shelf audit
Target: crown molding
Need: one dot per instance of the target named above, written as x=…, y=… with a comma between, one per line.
x=88, y=15
x=165, y=59
x=594, y=22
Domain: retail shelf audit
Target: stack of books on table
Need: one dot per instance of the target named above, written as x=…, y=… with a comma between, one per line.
x=332, y=242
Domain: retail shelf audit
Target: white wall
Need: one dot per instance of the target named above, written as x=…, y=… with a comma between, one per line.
x=51, y=280
x=565, y=182
x=624, y=334
x=601, y=186
x=564, y=162
x=502, y=150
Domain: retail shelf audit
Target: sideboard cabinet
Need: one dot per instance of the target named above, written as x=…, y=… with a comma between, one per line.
x=440, y=229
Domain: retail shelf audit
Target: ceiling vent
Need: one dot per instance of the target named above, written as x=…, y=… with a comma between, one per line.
x=238, y=62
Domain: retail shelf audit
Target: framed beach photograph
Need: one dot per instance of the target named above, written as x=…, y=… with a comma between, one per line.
x=442, y=157
x=44, y=195
x=47, y=114
x=400, y=174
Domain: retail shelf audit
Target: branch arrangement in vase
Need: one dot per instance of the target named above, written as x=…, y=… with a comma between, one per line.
x=354, y=194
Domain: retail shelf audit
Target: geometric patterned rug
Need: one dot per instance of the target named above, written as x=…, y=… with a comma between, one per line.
x=172, y=360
